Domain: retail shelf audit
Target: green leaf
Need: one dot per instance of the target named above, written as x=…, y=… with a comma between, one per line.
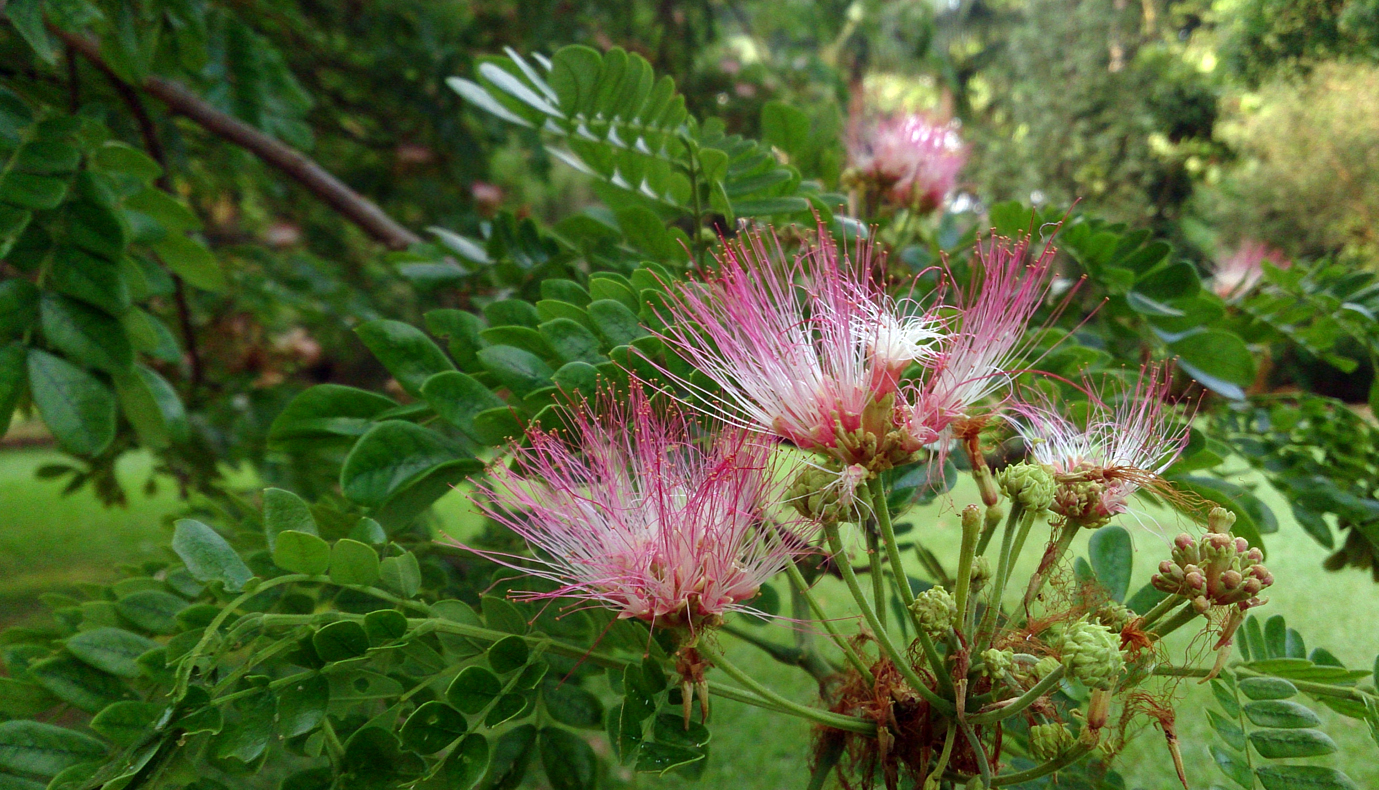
x=496, y=426
x=572, y=705
x=395, y=454
x=12, y=381
x=1267, y=688
x=501, y=615
x=247, y=739
x=1112, y=557
x=662, y=758
x=458, y=398
x=283, y=511
x=32, y=192
x=473, y=689
x=85, y=334
x=374, y=758
x=569, y=761
x=508, y=654
x=1280, y=714
x=127, y=721
x=617, y=325
x=785, y=127
x=466, y=763
x=22, y=699
x=1215, y=355
x=1228, y=729
x=508, y=707
x=152, y=610
x=95, y=281
x=77, y=683
x=192, y=261
x=401, y=574
x=518, y=370
x=97, y=229
x=410, y=356
x=170, y=213
x=1303, y=777
x=384, y=626
x=328, y=410
x=1276, y=637
x=432, y=727
x=301, y=552
x=118, y=157
x=352, y=562
x=567, y=291
x=1225, y=698
x=1280, y=744
x=152, y=406
x=1233, y=766
x=77, y=407
x=31, y=747
x=302, y=706
x=208, y=556
x=112, y=650
x=18, y=307
x=27, y=18
x=340, y=641
x=572, y=341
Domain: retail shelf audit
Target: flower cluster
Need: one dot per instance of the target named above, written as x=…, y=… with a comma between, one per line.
x=643, y=510
x=1237, y=273
x=1217, y=570
x=914, y=158
x=812, y=351
x=1119, y=447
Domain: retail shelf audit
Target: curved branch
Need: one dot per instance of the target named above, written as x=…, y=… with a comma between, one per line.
x=286, y=159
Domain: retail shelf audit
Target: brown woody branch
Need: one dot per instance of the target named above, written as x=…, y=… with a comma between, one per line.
x=291, y=162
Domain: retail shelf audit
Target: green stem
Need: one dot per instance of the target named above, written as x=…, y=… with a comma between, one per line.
x=978, y=750
x=1184, y=616
x=184, y=670
x=940, y=669
x=883, y=520
x=1044, y=686
x=1160, y=609
x=989, y=524
x=902, y=664
x=789, y=655
x=1062, y=543
x=1061, y=761
x=971, y=530
x=878, y=577
x=801, y=586
x=826, y=718
x=1015, y=523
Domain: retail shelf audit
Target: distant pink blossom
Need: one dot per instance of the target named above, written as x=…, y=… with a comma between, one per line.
x=1236, y=274
x=990, y=343
x=806, y=348
x=1124, y=444
x=916, y=157
x=643, y=510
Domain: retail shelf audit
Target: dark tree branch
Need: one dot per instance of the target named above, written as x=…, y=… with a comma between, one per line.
x=291, y=162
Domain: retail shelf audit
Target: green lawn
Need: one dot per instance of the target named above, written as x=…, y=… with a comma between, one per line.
x=47, y=540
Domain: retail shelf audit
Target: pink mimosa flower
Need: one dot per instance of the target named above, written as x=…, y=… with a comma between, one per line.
x=807, y=349
x=1120, y=446
x=916, y=156
x=991, y=342
x=643, y=510
x=1237, y=273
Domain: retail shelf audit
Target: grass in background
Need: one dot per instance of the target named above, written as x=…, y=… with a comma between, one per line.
x=47, y=541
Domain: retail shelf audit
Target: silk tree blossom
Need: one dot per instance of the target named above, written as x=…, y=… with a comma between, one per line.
x=1114, y=451
x=1236, y=274
x=990, y=343
x=808, y=349
x=914, y=157
x=643, y=510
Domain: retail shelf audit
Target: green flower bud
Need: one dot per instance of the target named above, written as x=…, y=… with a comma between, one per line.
x=981, y=572
x=827, y=495
x=998, y=662
x=1220, y=520
x=1091, y=654
x=1047, y=741
x=1029, y=484
x=1080, y=502
x=1044, y=666
x=1113, y=615
x=935, y=610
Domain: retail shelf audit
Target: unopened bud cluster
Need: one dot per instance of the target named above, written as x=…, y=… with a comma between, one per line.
x=1030, y=485
x=1217, y=570
x=826, y=495
x=935, y=611
x=998, y=662
x=1091, y=654
x=1047, y=741
x=1085, y=503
